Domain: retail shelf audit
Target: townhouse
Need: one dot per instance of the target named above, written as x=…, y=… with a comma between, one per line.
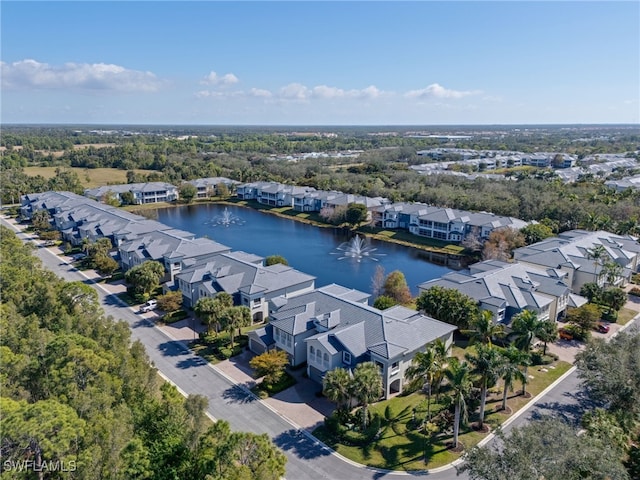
x=573, y=252
x=506, y=289
x=334, y=327
x=271, y=193
x=209, y=187
x=245, y=278
x=143, y=193
x=175, y=249
x=444, y=224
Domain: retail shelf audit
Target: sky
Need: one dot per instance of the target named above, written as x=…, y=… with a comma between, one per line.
x=320, y=63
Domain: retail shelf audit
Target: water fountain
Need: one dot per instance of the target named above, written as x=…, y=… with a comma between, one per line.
x=357, y=249
x=226, y=219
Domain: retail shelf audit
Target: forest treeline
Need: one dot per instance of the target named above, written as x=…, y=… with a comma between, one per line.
x=80, y=400
x=381, y=170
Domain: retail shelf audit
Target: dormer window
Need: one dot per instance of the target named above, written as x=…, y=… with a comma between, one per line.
x=346, y=358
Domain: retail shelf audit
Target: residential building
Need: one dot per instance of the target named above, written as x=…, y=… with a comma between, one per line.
x=143, y=193
x=572, y=251
x=245, y=278
x=334, y=327
x=506, y=289
x=208, y=187
x=452, y=225
x=175, y=249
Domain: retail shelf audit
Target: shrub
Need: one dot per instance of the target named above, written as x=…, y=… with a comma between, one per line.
x=537, y=358
x=635, y=291
x=357, y=438
x=175, y=316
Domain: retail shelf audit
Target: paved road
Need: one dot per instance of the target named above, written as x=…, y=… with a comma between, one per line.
x=307, y=459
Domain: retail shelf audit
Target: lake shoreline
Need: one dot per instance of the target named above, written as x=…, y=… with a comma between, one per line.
x=438, y=255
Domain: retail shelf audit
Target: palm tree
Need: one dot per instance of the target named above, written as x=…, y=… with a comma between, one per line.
x=611, y=271
x=548, y=332
x=425, y=366
x=336, y=386
x=525, y=328
x=442, y=354
x=513, y=358
x=483, y=329
x=486, y=363
x=598, y=254
x=367, y=386
x=235, y=317
x=459, y=377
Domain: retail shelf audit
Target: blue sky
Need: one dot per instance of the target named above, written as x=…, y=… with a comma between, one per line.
x=320, y=63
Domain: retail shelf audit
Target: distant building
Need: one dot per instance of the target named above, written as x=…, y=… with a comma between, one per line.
x=571, y=252
x=143, y=193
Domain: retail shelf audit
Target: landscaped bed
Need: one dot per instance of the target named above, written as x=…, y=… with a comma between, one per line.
x=401, y=443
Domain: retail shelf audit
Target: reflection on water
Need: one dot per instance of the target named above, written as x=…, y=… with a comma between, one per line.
x=306, y=248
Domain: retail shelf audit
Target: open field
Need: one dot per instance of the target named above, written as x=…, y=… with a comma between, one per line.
x=59, y=153
x=90, y=177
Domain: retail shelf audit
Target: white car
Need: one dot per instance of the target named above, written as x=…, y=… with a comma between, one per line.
x=148, y=306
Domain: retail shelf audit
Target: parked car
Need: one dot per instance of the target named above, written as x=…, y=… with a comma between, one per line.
x=149, y=305
x=602, y=327
x=564, y=334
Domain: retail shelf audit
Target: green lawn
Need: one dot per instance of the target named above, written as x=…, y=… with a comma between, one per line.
x=402, y=446
x=89, y=177
x=625, y=315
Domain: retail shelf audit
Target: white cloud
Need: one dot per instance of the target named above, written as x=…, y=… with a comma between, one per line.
x=323, y=91
x=225, y=80
x=84, y=76
x=295, y=91
x=438, y=91
x=369, y=92
x=260, y=92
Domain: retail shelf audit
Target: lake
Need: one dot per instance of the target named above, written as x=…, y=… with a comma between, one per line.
x=307, y=248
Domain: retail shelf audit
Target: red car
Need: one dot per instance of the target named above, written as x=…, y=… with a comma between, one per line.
x=602, y=327
x=565, y=335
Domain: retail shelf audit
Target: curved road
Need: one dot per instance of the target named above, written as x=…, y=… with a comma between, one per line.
x=307, y=458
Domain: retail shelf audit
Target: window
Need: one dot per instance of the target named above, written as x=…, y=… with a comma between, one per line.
x=395, y=367
x=326, y=361
x=318, y=356
x=312, y=351
x=346, y=358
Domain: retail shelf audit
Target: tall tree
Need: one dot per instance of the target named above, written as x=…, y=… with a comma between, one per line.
x=367, y=386
x=528, y=453
x=513, y=359
x=356, y=214
x=187, y=192
x=548, y=332
x=598, y=253
x=459, y=376
x=611, y=372
x=336, y=386
x=484, y=329
x=395, y=286
x=525, y=328
x=425, y=367
x=448, y=305
x=234, y=318
x=145, y=278
x=377, y=282
x=486, y=363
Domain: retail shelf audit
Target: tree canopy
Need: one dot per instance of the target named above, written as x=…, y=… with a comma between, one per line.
x=74, y=388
